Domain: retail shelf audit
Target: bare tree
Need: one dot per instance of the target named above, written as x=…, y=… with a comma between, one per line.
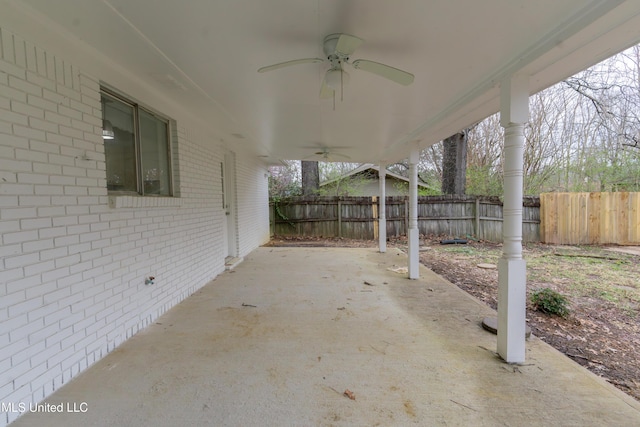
x=608, y=95
x=429, y=167
x=583, y=134
x=484, y=157
x=284, y=181
x=542, y=149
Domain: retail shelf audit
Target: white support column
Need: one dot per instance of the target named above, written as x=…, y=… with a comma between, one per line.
x=413, y=233
x=382, y=208
x=512, y=280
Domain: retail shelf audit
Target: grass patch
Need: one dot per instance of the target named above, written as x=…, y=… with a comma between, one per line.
x=478, y=254
x=461, y=249
x=585, y=271
x=589, y=272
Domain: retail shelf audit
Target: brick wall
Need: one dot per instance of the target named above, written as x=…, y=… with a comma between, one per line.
x=73, y=259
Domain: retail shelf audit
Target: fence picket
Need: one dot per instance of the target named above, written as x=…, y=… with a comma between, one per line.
x=590, y=218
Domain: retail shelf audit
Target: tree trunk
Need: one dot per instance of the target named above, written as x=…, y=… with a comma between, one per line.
x=310, y=178
x=454, y=164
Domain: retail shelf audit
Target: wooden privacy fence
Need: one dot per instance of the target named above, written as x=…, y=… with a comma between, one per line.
x=590, y=218
x=357, y=217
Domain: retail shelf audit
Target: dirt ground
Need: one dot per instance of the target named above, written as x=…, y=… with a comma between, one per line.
x=602, y=331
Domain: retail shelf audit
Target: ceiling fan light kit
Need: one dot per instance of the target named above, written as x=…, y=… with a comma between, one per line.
x=335, y=78
x=338, y=48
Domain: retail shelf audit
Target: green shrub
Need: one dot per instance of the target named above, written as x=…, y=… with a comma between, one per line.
x=551, y=302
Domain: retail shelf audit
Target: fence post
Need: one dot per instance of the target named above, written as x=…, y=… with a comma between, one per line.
x=382, y=208
x=374, y=215
x=339, y=218
x=406, y=215
x=478, y=218
x=273, y=219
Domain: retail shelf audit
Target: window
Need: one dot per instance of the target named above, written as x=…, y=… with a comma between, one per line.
x=136, y=146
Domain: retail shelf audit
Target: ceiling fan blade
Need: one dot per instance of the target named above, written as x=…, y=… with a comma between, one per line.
x=327, y=157
x=326, y=153
x=289, y=63
x=386, y=71
x=347, y=44
x=325, y=91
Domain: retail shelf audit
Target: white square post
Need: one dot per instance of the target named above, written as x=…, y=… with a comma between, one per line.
x=413, y=233
x=512, y=281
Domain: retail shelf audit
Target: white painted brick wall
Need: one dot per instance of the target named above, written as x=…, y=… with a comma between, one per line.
x=253, y=204
x=73, y=259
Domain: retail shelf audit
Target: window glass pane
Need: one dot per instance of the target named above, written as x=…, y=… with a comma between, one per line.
x=120, y=152
x=154, y=155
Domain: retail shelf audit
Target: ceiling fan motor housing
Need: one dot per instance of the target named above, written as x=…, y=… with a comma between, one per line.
x=330, y=44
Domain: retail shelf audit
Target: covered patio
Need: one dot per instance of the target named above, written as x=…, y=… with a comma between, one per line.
x=281, y=338
x=202, y=101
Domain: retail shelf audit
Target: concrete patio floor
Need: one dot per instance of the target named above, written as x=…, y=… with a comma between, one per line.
x=277, y=341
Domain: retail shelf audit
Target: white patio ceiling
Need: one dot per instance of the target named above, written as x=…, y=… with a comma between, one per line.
x=204, y=55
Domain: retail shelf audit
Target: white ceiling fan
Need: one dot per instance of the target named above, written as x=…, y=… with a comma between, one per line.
x=328, y=154
x=338, y=49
